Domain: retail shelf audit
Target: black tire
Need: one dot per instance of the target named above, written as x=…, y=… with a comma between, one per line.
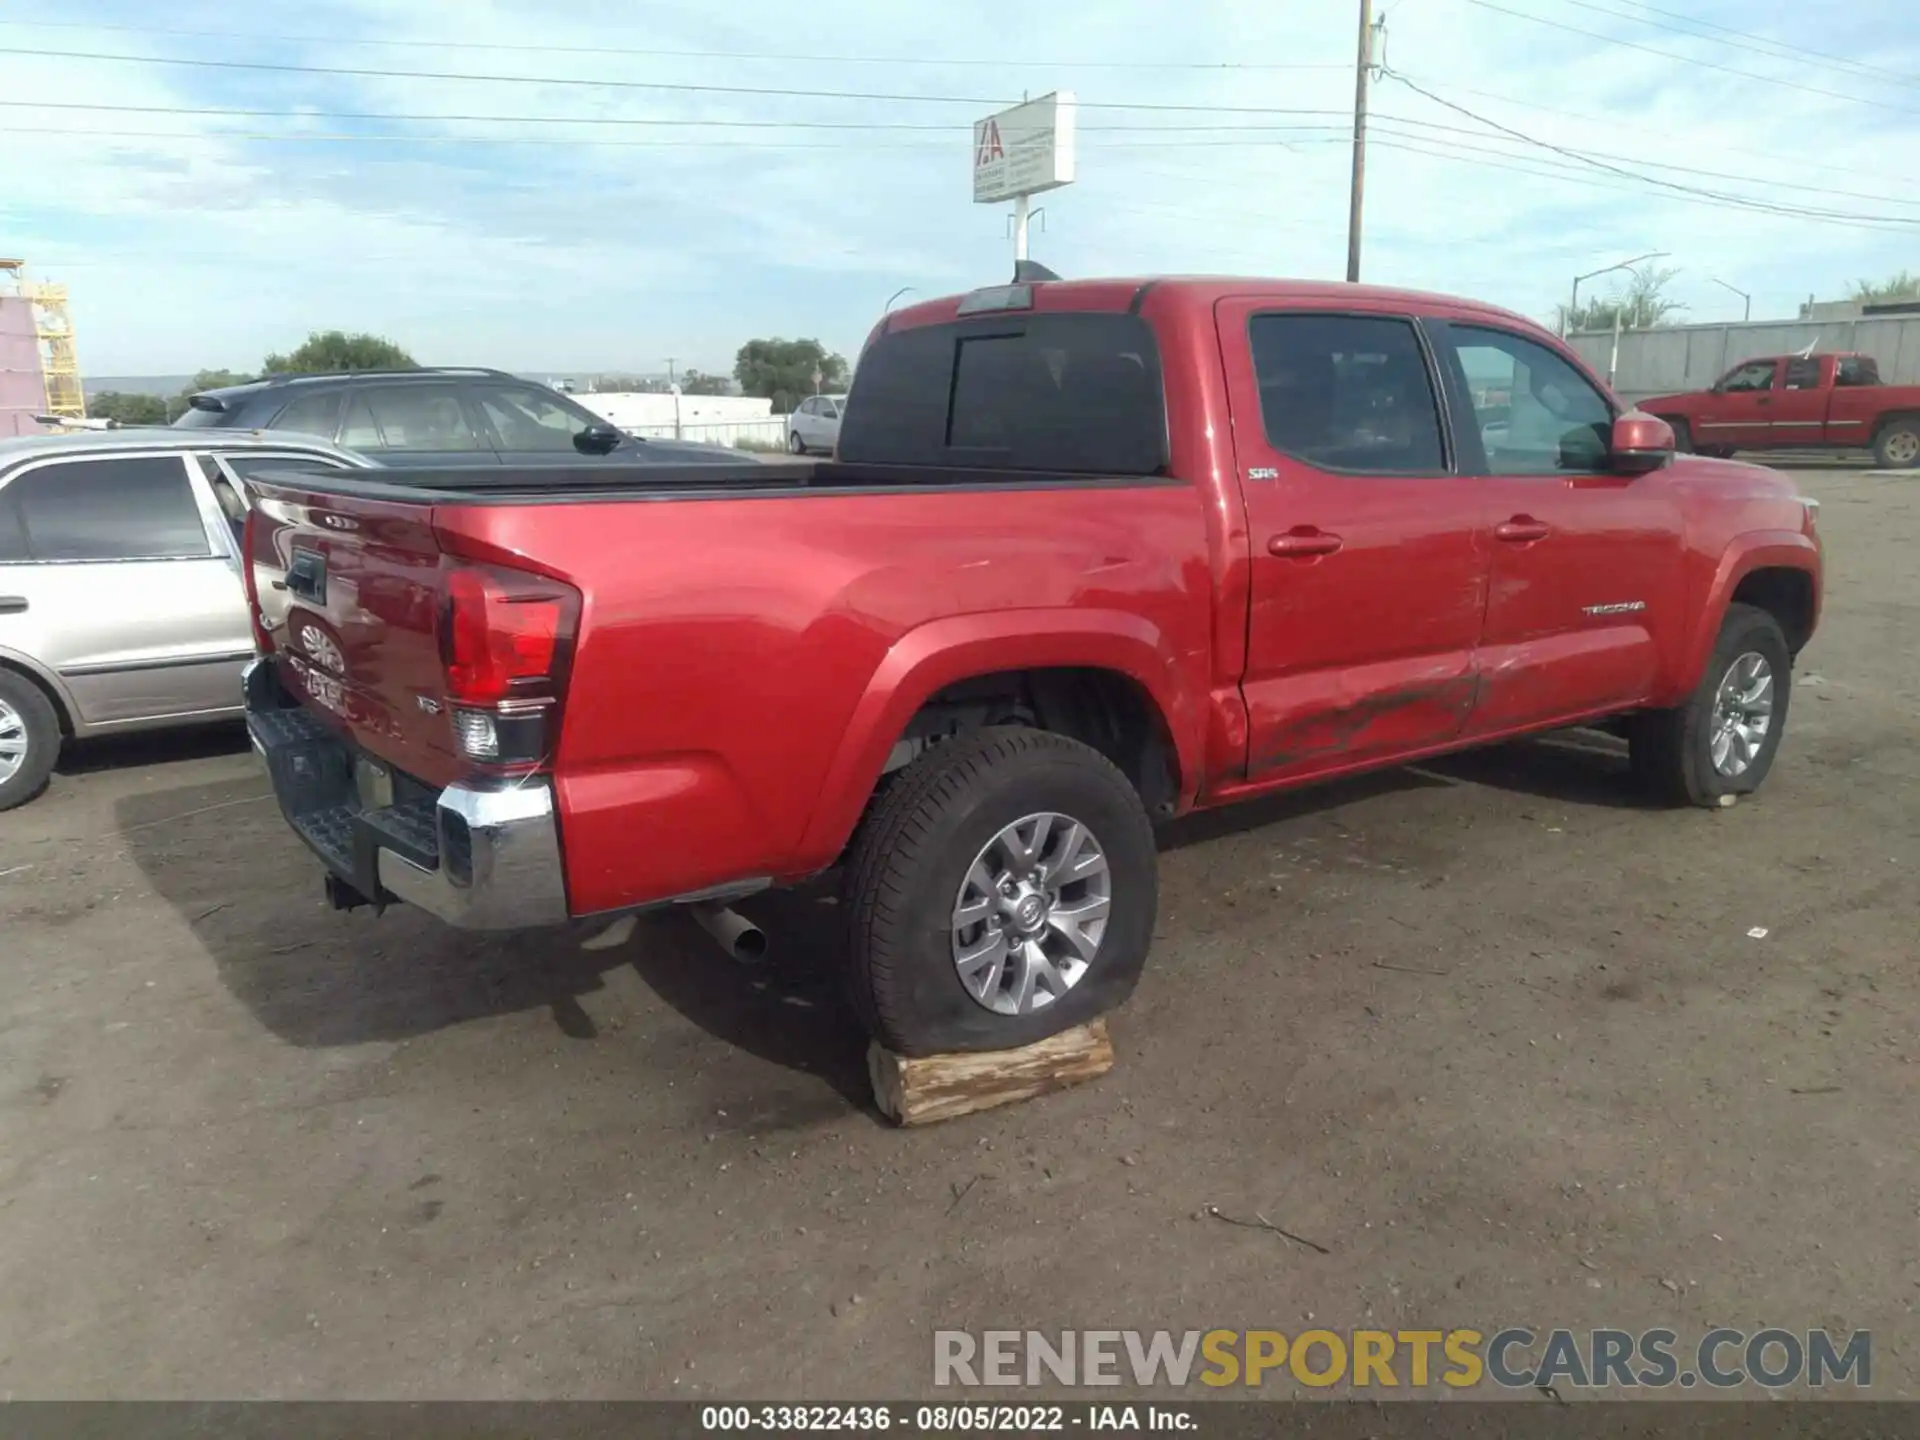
x=40, y=727
x=1682, y=437
x=795, y=444
x=1672, y=750
x=1897, y=446
x=916, y=848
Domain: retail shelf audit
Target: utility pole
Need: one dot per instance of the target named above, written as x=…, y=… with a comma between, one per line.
x=1354, y=205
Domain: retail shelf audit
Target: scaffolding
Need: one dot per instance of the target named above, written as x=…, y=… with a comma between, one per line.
x=53, y=332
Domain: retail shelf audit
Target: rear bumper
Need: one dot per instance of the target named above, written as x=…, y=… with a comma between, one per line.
x=479, y=859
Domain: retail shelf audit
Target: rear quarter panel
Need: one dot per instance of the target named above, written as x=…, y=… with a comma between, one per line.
x=744, y=665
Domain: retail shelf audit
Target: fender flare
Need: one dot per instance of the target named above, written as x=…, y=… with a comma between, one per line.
x=1754, y=550
x=57, y=691
x=939, y=653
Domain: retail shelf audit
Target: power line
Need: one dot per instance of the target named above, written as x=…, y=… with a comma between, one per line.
x=883, y=126
x=615, y=50
x=1666, y=134
x=946, y=127
x=677, y=87
x=1741, y=201
x=1795, y=187
x=1781, y=49
x=843, y=126
x=1572, y=175
x=1691, y=60
x=360, y=137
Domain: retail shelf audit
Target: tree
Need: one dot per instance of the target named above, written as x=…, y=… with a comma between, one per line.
x=215, y=380
x=331, y=352
x=696, y=382
x=128, y=409
x=1898, y=287
x=1642, y=305
x=782, y=371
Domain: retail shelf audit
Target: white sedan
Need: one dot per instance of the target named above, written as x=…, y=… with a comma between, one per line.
x=815, y=424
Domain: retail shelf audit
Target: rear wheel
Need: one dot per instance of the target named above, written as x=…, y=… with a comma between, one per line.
x=795, y=444
x=29, y=739
x=1897, y=447
x=1722, y=740
x=1003, y=890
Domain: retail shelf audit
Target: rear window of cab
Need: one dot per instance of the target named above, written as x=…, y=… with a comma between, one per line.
x=1075, y=393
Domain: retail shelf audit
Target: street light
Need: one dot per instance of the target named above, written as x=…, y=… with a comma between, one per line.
x=1566, y=323
x=1748, y=313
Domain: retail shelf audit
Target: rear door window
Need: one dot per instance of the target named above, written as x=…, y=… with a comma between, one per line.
x=1802, y=374
x=1857, y=370
x=1347, y=392
x=311, y=415
x=1078, y=394
x=113, y=508
x=408, y=417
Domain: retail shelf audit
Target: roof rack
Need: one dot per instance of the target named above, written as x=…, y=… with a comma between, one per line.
x=281, y=377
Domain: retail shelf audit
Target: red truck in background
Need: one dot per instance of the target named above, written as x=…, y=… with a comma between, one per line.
x=1091, y=554
x=1799, y=402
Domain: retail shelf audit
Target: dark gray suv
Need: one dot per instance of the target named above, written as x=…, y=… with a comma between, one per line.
x=439, y=417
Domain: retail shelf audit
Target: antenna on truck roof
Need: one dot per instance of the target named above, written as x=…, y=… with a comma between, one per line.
x=1026, y=272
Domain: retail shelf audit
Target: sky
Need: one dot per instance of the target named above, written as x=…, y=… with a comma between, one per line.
x=543, y=199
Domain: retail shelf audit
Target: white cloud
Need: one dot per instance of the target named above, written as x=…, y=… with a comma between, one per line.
x=614, y=245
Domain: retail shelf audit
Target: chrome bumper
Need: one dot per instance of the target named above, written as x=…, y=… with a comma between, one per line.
x=479, y=859
x=512, y=878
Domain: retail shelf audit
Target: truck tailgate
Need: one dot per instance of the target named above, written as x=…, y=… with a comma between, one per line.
x=347, y=593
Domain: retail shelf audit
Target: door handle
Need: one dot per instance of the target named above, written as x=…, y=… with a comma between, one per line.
x=12, y=604
x=1303, y=541
x=1521, y=529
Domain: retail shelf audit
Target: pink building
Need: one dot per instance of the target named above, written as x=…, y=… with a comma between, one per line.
x=23, y=386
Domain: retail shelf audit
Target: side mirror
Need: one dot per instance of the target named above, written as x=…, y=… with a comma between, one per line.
x=599, y=438
x=1640, y=443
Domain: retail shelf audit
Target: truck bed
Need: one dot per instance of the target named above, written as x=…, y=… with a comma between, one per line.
x=543, y=484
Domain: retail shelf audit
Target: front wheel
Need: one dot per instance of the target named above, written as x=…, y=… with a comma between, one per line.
x=1002, y=890
x=795, y=444
x=1682, y=437
x=1722, y=740
x=1897, y=447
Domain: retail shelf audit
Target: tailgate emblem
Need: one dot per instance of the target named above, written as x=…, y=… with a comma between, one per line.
x=323, y=648
x=427, y=704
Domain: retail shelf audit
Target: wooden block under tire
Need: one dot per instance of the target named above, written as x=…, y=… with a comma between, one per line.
x=924, y=1089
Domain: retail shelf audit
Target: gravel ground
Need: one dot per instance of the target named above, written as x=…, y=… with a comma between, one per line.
x=1494, y=1037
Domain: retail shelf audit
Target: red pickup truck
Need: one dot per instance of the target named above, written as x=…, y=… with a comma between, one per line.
x=1799, y=402
x=1091, y=554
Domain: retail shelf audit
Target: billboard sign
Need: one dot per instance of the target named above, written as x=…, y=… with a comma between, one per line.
x=1024, y=150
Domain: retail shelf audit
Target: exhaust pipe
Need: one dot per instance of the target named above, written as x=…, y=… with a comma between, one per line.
x=738, y=936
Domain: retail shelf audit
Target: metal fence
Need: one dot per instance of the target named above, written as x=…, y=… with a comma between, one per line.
x=1691, y=357
x=762, y=433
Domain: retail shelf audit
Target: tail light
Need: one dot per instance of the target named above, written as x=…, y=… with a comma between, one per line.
x=249, y=539
x=506, y=641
